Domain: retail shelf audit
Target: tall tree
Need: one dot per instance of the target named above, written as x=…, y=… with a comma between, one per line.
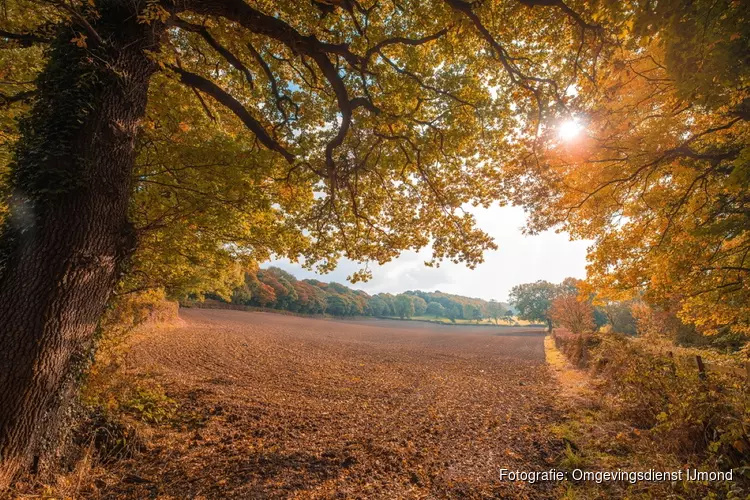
x=472, y=312
x=533, y=301
x=67, y=235
x=495, y=310
x=453, y=311
x=357, y=129
x=420, y=306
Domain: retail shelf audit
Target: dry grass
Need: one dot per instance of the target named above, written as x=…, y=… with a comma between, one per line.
x=604, y=428
x=574, y=384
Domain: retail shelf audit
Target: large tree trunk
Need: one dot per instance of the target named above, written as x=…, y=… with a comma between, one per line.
x=62, y=249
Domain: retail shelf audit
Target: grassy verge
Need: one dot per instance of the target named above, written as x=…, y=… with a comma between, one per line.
x=630, y=408
x=116, y=411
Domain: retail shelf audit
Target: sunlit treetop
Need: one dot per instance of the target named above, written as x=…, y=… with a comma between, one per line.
x=659, y=171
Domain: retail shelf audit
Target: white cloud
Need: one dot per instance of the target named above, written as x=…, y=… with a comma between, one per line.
x=519, y=259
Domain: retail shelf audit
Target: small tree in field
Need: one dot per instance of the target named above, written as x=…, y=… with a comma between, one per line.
x=495, y=310
x=573, y=314
x=533, y=301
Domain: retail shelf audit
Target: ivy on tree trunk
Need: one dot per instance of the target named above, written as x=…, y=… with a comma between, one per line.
x=63, y=247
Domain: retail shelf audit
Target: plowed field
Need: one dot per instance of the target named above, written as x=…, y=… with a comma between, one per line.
x=291, y=407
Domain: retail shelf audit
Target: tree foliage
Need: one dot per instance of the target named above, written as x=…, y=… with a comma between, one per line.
x=420, y=306
x=275, y=288
x=316, y=130
x=435, y=309
x=359, y=129
x=403, y=306
x=495, y=310
x=311, y=132
x=620, y=316
x=533, y=300
x=659, y=175
x=572, y=313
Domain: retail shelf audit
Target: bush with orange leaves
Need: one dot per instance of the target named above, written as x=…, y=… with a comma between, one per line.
x=573, y=314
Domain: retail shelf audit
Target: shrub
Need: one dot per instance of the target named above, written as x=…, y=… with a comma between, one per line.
x=149, y=403
x=692, y=417
x=575, y=315
x=576, y=347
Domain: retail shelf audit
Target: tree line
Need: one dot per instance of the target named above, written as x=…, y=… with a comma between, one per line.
x=577, y=306
x=568, y=304
x=563, y=304
x=277, y=289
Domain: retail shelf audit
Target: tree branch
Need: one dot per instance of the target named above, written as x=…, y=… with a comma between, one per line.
x=273, y=27
x=210, y=88
x=23, y=39
x=570, y=12
x=92, y=33
x=223, y=51
x=403, y=41
x=274, y=85
x=515, y=74
x=7, y=100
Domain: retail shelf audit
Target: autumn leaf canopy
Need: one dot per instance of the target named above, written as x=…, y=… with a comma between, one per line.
x=319, y=129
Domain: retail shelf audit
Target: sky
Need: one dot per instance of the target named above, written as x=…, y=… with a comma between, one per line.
x=518, y=259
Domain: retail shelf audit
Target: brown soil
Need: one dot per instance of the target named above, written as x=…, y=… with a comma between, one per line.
x=290, y=407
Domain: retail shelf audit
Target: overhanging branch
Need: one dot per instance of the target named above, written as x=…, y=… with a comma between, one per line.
x=308, y=45
x=575, y=16
x=207, y=86
x=7, y=100
x=223, y=51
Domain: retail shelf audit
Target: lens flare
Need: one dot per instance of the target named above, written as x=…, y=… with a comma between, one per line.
x=569, y=130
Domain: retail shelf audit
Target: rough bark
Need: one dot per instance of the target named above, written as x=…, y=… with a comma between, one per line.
x=62, y=249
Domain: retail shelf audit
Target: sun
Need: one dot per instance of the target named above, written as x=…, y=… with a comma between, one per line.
x=569, y=130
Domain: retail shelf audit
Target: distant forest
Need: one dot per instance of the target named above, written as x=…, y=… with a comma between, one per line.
x=278, y=289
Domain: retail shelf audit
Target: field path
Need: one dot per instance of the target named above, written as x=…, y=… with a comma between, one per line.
x=292, y=407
